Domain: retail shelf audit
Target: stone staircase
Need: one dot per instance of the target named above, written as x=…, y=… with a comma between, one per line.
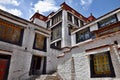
x=54, y=76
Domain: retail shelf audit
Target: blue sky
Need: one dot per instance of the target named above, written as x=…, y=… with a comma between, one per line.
x=26, y=8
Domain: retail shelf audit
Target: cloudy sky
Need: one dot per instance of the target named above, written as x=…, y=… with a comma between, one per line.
x=26, y=8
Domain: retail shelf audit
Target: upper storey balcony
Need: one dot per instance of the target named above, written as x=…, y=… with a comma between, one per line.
x=108, y=29
x=107, y=26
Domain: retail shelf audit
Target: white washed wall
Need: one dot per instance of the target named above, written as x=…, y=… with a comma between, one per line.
x=118, y=16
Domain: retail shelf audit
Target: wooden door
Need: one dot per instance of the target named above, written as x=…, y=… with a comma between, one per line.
x=3, y=68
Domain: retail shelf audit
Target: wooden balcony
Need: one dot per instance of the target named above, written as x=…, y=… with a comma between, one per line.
x=109, y=29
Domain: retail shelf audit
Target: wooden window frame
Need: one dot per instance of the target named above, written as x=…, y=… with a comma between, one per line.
x=60, y=30
x=76, y=21
x=107, y=21
x=93, y=75
x=81, y=23
x=48, y=24
x=69, y=17
x=6, y=25
x=83, y=32
x=44, y=46
x=56, y=45
x=56, y=18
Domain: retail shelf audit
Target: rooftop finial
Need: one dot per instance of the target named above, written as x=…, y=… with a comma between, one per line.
x=90, y=14
x=37, y=11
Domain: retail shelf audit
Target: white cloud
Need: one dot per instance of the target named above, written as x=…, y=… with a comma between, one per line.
x=13, y=2
x=45, y=6
x=86, y=3
x=12, y=11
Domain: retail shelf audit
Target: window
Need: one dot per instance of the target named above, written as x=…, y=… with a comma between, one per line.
x=101, y=65
x=57, y=18
x=56, y=32
x=69, y=16
x=48, y=24
x=70, y=29
x=81, y=23
x=56, y=45
x=35, y=65
x=83, y=35
x=10, y=32
x=107, y=21
x=40, y=42
x=76, y=21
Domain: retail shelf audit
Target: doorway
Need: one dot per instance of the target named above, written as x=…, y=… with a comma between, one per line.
x=4, y=66
x=38, y=65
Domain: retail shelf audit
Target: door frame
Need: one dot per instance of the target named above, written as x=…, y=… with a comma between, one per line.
x=8, y=57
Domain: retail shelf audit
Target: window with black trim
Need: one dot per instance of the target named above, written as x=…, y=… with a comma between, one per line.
x=69, y=16
x=108, y=21
x=76, y=21
x=70, y=29
x=57, y=18
x=101, y=65
x=56, y=32
x=40, y=42
x=81, y=23
x=48, y=24
x=56, y=45
x=11, y=33
x=83, y=35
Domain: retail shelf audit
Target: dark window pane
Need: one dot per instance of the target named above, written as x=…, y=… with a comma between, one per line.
x=76, y=21
x=56, y=32
x=81, y=23
x=69, y=16
x=40, y=42
x=35, y=65
x=83, y=35
x=56, y=45
x=107, y=21
x=57, y=18
x=59, y=44
x=48, y=24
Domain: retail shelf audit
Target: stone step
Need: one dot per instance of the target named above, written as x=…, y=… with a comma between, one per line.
x=51, y=78
x=47, y=77
x=42, y=77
